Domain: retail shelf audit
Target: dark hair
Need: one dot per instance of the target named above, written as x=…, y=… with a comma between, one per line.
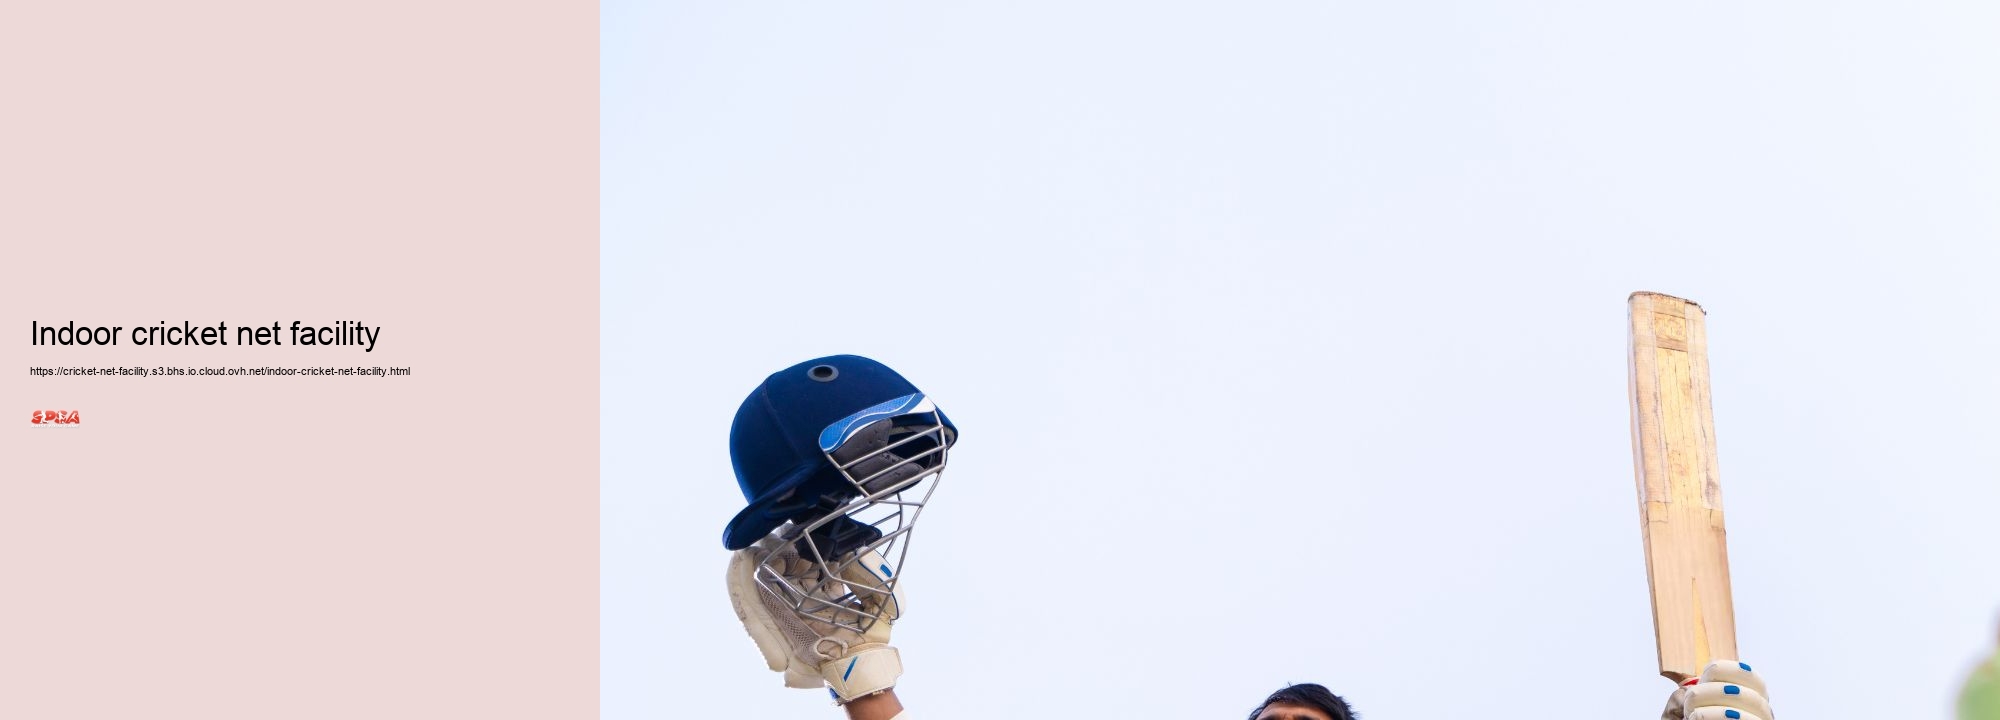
x=1310, y=695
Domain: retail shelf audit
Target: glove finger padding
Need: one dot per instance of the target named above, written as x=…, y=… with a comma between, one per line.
x=1734, y=672
x=1730, y=684
x=1727, y=695
x=1716, y=713
x=867, y=579
x=1726, y=690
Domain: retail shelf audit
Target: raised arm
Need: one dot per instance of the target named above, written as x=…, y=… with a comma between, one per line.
x=883, y=706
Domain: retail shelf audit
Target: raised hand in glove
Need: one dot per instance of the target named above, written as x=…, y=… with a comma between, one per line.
x=1726, y=690
x=810, y=651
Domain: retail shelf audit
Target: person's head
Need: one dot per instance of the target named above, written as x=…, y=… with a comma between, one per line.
x=1305, y=701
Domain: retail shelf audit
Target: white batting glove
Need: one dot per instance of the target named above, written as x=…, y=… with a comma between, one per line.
x=1726, y=690
x=812, y=653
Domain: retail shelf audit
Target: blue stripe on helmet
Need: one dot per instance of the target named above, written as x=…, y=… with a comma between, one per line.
x=838, y=433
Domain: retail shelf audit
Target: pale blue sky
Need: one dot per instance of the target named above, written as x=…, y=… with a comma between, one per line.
x=1287, y=339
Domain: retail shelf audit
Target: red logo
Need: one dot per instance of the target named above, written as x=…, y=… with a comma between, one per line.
x=56, y=417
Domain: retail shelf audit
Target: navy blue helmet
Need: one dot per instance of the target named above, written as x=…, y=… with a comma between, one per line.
x=815, y=437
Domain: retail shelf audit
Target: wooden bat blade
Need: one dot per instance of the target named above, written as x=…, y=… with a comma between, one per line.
x=1680, y=487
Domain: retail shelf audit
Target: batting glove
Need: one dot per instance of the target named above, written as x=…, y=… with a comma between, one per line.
x=809, y=652
x=1726, y=690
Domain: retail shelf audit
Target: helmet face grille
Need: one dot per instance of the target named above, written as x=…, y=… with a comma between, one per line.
x=838, y=568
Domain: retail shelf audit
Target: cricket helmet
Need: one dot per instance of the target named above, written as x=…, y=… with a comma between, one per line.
x=836, y=457
x=799, y=441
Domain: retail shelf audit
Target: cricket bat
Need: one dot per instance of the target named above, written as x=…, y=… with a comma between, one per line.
x=1680, y=488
